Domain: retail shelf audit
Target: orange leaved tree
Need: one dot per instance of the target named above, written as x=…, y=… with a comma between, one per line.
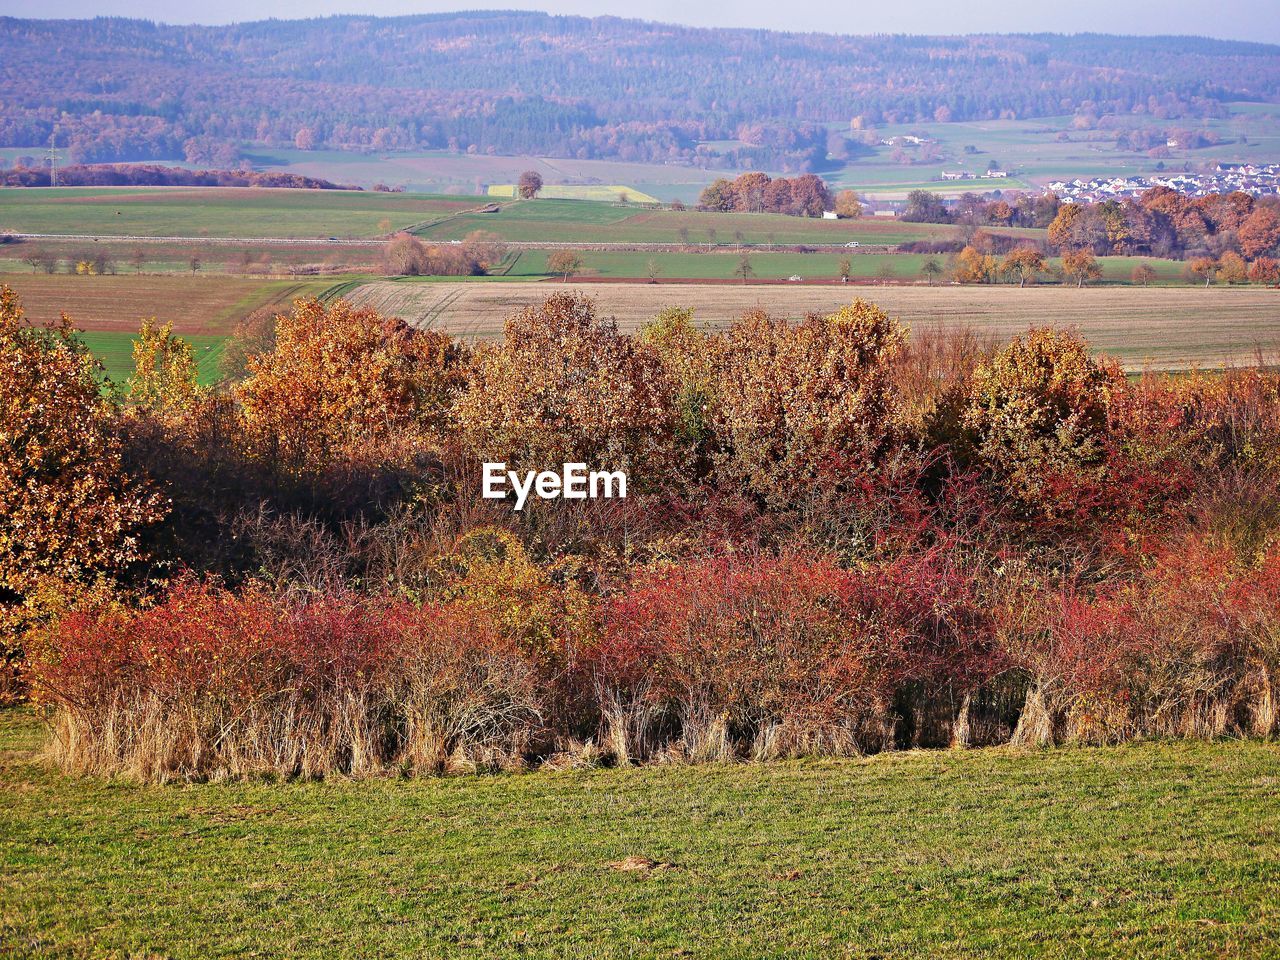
x=69, y=511
x=342, y=383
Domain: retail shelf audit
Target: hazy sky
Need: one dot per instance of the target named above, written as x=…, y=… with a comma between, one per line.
x=1233, y=19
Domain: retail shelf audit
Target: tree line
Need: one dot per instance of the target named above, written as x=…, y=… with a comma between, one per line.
x=1160, y=222
x=31, y=173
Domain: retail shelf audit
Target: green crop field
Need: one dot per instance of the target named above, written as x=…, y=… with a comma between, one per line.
x=115, y=350
x=777, y=266
x=297, y=214
x=603, y=192
x=1152, y=850
x=218, y=211
x=581, y=221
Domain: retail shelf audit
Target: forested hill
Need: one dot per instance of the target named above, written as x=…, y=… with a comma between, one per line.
x=510, y=83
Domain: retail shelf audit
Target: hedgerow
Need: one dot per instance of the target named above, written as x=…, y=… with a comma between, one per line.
x=841, y=537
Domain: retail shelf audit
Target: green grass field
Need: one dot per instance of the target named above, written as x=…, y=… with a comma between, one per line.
x=774, y=266
x=115, y=350
x=1151, y=850
x=296, y=214
x=219, y=211
x=603, y=192
x=581, y=221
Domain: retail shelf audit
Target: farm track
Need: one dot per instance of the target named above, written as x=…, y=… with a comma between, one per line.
x=1157, y=328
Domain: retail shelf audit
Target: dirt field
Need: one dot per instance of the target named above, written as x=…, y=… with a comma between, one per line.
x=1160, y=328
x=206, y=305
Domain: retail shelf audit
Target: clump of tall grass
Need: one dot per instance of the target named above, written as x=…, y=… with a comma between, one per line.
x=211, y=683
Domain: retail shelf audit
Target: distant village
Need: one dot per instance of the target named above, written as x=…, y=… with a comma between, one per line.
x=1253, y=179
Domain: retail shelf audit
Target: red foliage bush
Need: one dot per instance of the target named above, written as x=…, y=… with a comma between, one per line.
x=779, y=656
x=215, y=683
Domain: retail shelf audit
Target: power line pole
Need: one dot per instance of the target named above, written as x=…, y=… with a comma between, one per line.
x=53, y=159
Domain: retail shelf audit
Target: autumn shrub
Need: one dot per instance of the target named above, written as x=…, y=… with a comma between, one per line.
x=1070, y=645
x=564, y=386
x=1255, y=603
x=932, y=376
x=786, y=655
x=689, y=358
x=211, y=683
x=70, y=511
x=1184, y=646
x=344, y=387
x=1039, y=418
x=736, y=657
x=794, y=401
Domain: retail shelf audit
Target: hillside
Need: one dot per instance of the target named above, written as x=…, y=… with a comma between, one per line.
x=517, y=83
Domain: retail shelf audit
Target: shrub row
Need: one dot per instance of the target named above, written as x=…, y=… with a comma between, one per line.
x=730, y=658
x=838, y=538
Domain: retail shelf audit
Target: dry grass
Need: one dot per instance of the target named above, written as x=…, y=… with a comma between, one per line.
x=1160, y=328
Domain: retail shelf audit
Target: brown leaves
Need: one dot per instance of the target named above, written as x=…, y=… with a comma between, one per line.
x=564, y=386
x=68, y=509
x=342, y=378
x=794, y=399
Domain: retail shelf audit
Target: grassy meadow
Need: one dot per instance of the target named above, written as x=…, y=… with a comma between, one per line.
x=779, y=266
x=115, y=350
x=219, y=211
x=1153, y=850
x=581, y=221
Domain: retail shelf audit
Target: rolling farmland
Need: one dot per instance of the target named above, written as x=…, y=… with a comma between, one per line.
x=1160, y=327
x=579, y=221
x=202, y=305
x=257, y=213
x=219, y=211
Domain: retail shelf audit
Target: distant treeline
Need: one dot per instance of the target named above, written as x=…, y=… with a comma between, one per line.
x=154, y=175
x=530, y=83
x=1161, y=222
x=804, y=196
